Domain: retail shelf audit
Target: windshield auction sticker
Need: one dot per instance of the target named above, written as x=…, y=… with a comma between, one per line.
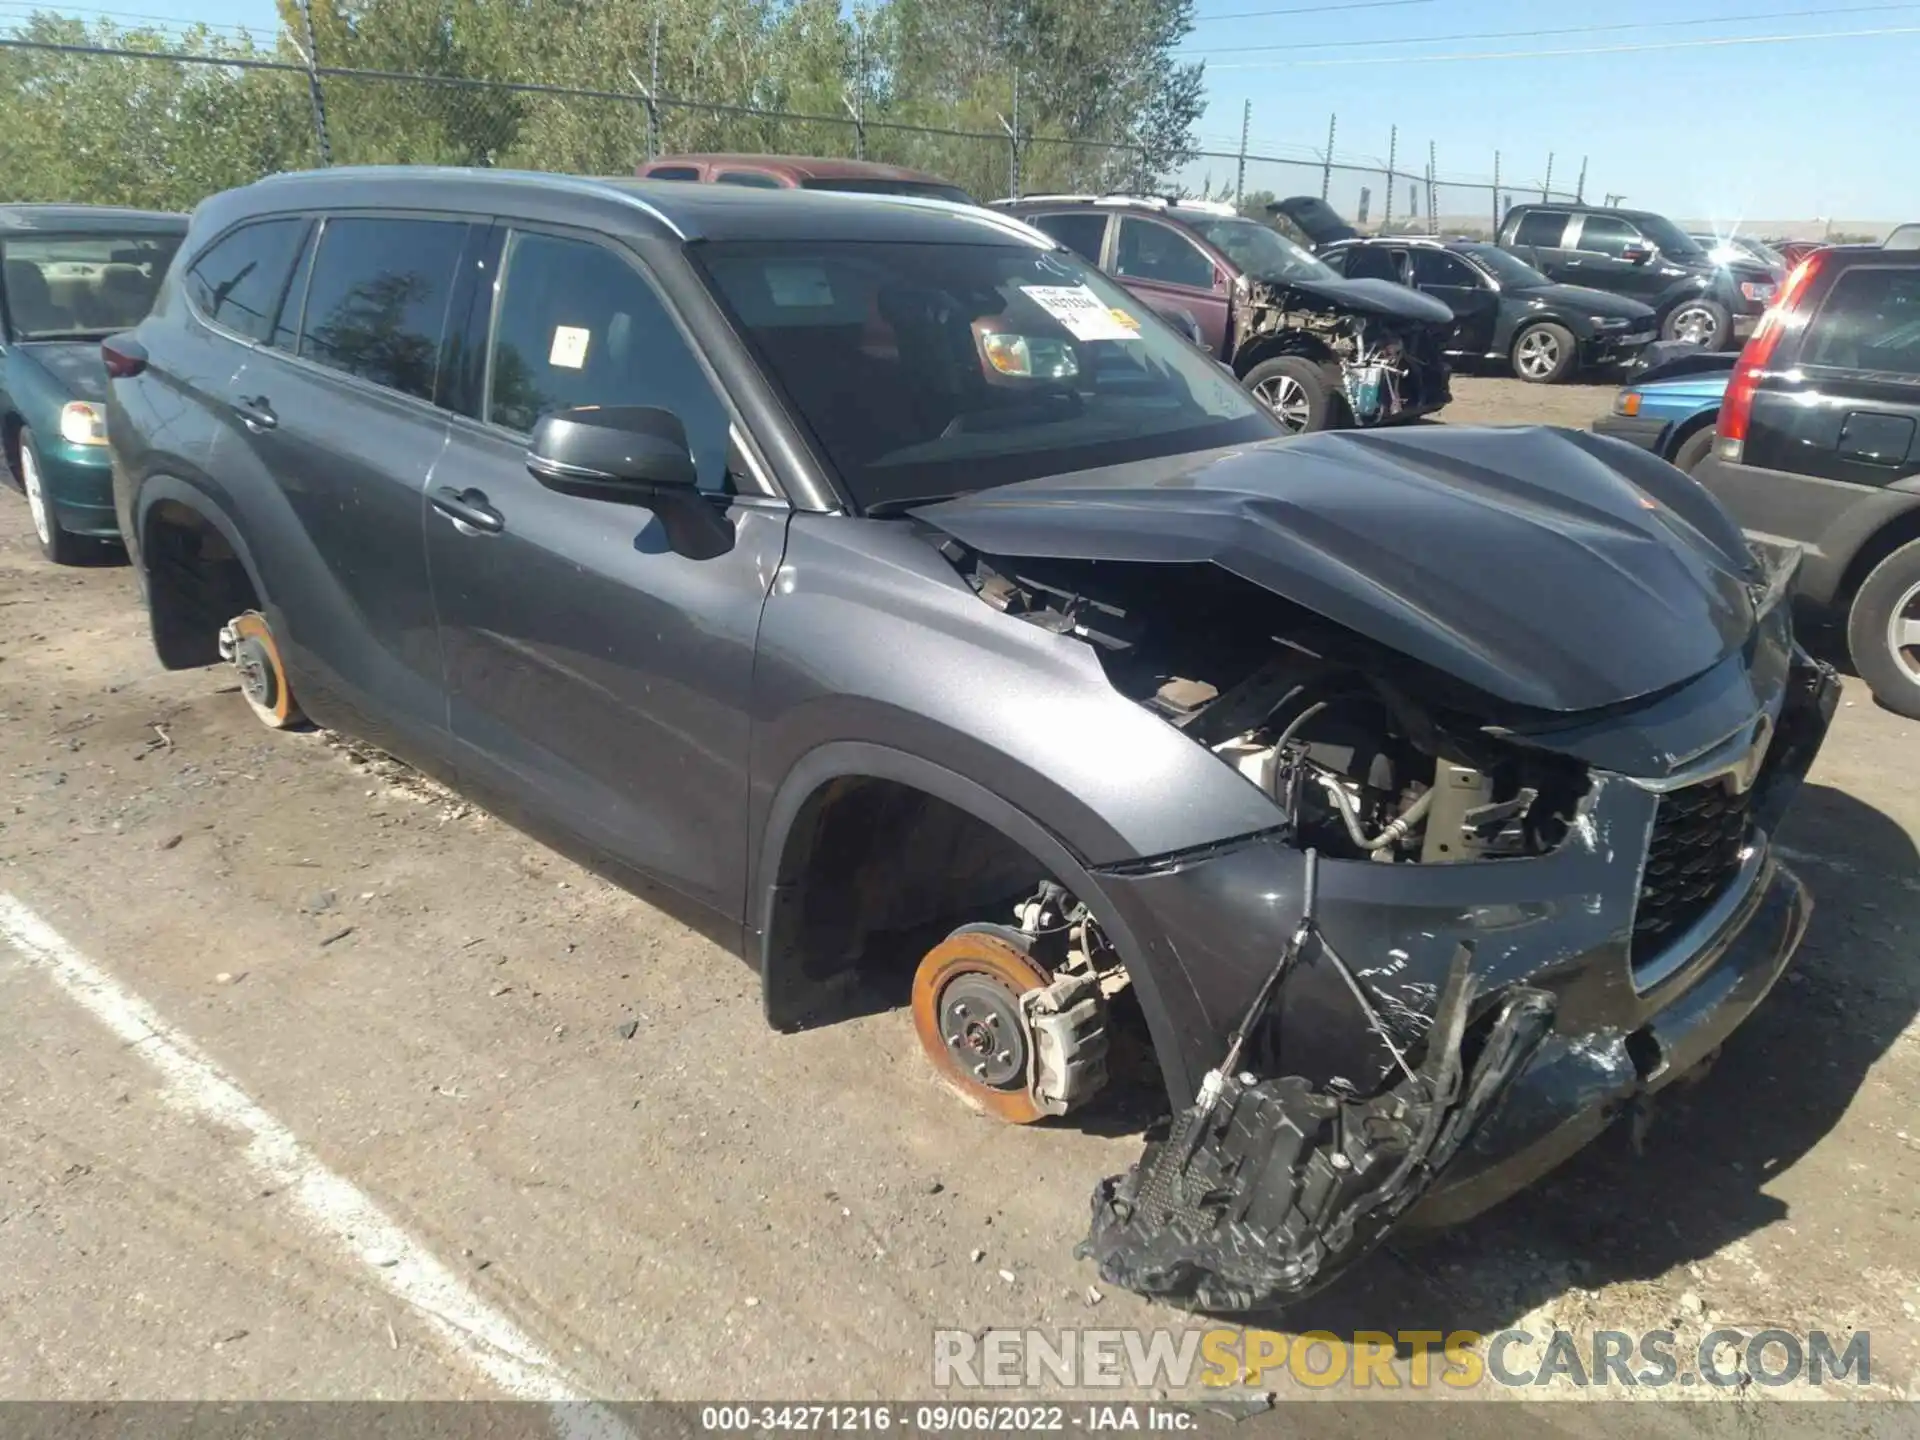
x=1082, y=313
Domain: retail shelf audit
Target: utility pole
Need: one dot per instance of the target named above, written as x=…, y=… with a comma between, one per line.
x=312, y=58
x=1240, y=176
x=655, y=140
x=1433, y=210
x=1013, y=137
x=857, y=103
x=1326, y=163
x=1546, y=185
x=1496, y=194
x=1580, y=185
x=1393, y=148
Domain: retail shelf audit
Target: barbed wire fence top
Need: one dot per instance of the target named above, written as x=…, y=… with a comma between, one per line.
x=97, y=115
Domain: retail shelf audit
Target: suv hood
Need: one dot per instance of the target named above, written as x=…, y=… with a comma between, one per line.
x=1365, y=297
x=1548, y=568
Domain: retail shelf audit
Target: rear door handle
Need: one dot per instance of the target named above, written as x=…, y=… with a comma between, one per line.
x=256, y=412
x=469, y=509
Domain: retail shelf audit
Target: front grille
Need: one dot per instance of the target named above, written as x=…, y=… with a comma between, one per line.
x=1692, y=856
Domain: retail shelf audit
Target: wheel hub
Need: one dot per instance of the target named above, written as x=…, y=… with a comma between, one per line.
x=983, y=1031
x=966, y=1011
x=259, y=679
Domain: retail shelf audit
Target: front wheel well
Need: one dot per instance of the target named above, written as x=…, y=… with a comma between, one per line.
x=195, y=584
x=10, y=430
x=872, y=873
x=1285, y=342
x=1687, y=429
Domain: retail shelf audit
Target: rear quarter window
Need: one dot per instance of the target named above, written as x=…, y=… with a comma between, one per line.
x=1869, y=321
x=239, y=279
x=1079, y=231
x=671, y=172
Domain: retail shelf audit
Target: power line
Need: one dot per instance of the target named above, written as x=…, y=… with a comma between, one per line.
x=172, y=22
x=1310, y=10
x=1716, y=42
x=1821, y=13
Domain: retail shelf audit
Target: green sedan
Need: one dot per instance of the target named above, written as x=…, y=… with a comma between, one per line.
x=73, y=275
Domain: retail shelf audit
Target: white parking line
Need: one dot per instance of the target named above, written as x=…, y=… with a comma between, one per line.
x=487, y=1340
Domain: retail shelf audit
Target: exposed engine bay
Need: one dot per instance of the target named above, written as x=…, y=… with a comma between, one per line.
x=1388, y=369
x=1319, y=720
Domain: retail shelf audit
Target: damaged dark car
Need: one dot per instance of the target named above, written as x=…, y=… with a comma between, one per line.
x=890, y=594
x=1320, y=351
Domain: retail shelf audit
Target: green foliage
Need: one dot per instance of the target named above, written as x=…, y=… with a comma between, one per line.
x=1101, y=103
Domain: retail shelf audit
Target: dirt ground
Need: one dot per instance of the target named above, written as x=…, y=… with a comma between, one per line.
x=573, y=1104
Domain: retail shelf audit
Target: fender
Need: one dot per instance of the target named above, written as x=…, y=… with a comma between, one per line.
x=161, y=487
x=785, y=992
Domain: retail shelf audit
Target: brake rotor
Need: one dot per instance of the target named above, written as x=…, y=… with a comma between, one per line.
x=966, y=1011
x=263, y=678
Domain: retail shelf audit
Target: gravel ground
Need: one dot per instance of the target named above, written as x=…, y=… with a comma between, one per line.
x=571, y=1104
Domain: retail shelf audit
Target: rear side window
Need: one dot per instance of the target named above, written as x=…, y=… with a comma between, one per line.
x=1079, y=232
x=756, y=179
x=1148, y=251
x=1436, y=267
x=578, y=325
x=1541, y=227
x=1871, y=321
x=1371, y=262
x=239, y=280
x=377, y=299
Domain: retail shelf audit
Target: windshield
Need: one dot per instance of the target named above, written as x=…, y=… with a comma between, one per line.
x=1257, y=249
x=80, y=287
x=927, y=371
x=1506, y=268
x=1672, y=241
x=923, y=189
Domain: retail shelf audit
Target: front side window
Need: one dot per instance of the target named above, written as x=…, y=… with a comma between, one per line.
x=1081, y=232
x=1371, y=262
x=1148, y=251
x=377, y=299
x=1507, y=268
x=930, y=370
x=579, y=325
x=1606, y=235
x=1870, y=321
x=78, y=287
x=1437, y=267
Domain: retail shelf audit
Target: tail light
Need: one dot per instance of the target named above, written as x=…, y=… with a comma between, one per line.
x=1736, y=407
x=123, y=356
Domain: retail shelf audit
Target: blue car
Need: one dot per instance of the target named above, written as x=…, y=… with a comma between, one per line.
x=70, y=275
x=1671, y=406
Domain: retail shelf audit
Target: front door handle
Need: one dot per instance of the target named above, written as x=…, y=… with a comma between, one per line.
x=256, y=412
x=470, y=509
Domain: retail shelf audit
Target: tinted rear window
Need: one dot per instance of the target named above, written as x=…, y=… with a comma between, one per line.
x=1871, y=321
x=754, y=179
x=238, y=282
x=672, y=172
x=377, y=299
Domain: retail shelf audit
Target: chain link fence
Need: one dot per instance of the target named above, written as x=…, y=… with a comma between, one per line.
x=113, y=125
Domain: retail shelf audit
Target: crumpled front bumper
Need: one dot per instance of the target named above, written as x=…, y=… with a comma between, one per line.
x=1621, y=1026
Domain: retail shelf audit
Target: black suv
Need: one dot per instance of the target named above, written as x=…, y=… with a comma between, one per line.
x=1819, y=444
x=1645, y=257
x=1318, y=350
x=878, y=586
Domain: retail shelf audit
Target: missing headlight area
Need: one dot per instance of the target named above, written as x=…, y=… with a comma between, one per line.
x=1368, y=756
x=1381, y=363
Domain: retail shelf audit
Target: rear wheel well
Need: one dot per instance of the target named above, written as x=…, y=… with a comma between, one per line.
x=195, y=584
x=10, y=430
x=1883, y=542
x=1286, y=342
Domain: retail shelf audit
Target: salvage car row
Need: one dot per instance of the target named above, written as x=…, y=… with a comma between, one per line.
x=868, y=576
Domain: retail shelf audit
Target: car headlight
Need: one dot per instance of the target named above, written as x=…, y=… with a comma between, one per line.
x=1609, y=322
x=83, y=424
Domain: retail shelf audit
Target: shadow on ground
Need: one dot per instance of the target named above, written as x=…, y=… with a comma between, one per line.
x=1781, y=1084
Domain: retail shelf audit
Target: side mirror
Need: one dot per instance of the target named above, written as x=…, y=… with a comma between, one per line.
x=1637, y=254
x=631, y=455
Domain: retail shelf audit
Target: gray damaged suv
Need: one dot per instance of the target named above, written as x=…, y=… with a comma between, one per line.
x=874, y=583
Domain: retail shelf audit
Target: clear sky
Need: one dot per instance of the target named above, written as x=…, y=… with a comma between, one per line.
x=1781, y=131
x=1666, y=110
